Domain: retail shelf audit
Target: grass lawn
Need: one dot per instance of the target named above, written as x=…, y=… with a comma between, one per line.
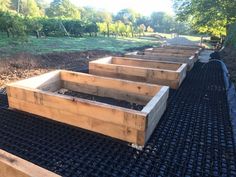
x=192, y=38
x=64, y=44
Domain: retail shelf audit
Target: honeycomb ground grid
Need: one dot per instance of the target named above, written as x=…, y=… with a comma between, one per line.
x=193, y=138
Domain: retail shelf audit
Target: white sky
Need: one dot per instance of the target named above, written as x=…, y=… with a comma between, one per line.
x=145, y=7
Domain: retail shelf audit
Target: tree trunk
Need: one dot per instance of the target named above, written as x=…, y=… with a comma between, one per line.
x=37, y=34
x=8, y=33
x=108, y=30
x=132, y=31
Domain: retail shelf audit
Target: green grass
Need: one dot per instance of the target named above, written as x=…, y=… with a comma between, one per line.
x=192, y=38
x=166, y=35
x=64, y=44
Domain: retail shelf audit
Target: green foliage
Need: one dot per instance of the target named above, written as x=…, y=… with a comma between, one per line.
x=127, y=16
x=63, y=9
x=208, y=16
x=91, y=28
x=74, y=27
x=231, y=37
x=26, y=7
x=65, y=19
x=32, y=9
x=51, y=27
x=150, y=30
x=141, y=29
x=162, y=22
x=13, y=25
x=102, y=27
x=90, y=15
x=33, y=26
x=4, y=5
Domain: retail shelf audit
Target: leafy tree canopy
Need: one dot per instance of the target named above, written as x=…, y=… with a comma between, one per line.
x=63, y=9
x=4, y=5
x=127, y=16
x=208, y=16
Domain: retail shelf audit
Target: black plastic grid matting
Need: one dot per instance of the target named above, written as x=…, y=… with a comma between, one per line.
x=193, y=138
x=3, y=100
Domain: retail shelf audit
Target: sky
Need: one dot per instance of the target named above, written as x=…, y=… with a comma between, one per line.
x=145, y=7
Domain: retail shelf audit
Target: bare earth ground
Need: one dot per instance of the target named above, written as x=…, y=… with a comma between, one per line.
x=25, y=65
x=181, y=41
x=229, y=57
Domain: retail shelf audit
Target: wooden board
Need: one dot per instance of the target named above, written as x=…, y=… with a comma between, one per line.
x=165, y=58
x=185, y=47
x=176, y=52
x=155, y=72
x=13, y=166
x=125, y=124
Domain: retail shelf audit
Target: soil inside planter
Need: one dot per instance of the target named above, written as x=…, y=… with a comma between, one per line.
x=107, y=100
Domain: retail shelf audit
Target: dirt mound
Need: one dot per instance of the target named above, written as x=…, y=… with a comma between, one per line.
x=26, y=65
x=181, y=41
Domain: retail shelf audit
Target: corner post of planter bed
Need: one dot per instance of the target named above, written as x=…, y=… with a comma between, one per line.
x=155, y=109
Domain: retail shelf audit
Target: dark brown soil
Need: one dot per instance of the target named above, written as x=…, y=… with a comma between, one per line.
x=25, y=65
x=229, y=57
x=111, y=101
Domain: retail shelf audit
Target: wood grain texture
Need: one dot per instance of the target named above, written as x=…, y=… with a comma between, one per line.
x=13, y=166
x=164, y=58
x=117, y=122
x=154, y=72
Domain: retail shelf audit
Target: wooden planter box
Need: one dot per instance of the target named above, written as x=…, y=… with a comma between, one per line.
x=13, y=166
x=38, y=95
x=167, y=57
x=184, y=47
x=155, y=72
x=173, y=51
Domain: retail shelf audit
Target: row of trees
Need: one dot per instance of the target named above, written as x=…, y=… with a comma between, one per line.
x=15, y=25
x=61, y=17
x=208, y=16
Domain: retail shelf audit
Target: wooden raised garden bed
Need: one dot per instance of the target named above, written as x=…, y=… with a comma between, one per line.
x=155, y=72
x=13, y=166
x=184, y=47
x=164, y=57
x=174, y=52
x=79, y=99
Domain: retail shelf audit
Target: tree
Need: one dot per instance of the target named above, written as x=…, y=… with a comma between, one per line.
x=34, y=26
x=162, y=22
x=208, y=16
x=143, y=20
x=13, y=25
x=16, y=5
x=91, y=28
x=26, y=7
x=141, y=29
x=89, y=14
x=150, y=30
x=63, y=9
x=31, y=8
x=120, y=28
x=102, y=28
x=106, y=17
x=128, y=17
x=4, y=5
x=43, y=5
